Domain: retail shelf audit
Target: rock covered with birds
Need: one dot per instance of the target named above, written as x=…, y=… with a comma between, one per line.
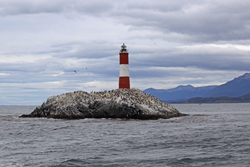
x=119, y=103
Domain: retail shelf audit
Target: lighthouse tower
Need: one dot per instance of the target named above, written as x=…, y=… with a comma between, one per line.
x=124, y=68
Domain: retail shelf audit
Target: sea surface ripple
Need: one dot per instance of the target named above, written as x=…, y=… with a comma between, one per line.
x=213, y=135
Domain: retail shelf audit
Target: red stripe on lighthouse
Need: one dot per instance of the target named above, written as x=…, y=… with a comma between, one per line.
x=124, y=83
x=123, y=58
x=124, y=69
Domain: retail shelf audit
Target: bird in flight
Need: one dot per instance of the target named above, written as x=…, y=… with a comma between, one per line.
x=75, y=71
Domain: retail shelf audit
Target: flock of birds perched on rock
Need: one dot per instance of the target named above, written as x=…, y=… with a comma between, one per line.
x=118, y=103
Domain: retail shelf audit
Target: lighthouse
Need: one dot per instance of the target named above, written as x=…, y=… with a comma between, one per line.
x=124, y=68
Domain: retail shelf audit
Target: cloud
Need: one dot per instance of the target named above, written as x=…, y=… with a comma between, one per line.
x=4, y=74
x=210, y=57
x=15, y=7
x=202, y=21
x=170, y=43
x=87, y=49
x=199, y=21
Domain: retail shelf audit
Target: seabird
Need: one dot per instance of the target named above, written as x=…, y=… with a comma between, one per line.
x=75, y=71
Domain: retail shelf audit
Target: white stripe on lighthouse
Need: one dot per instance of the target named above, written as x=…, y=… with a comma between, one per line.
x=124, y=70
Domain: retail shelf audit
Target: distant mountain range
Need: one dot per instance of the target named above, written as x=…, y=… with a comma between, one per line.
x=235, y=88
x=180, y=93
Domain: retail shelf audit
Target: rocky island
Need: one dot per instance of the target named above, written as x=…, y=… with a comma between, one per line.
x=119, y=103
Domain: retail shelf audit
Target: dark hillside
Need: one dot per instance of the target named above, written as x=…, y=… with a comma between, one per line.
x=241, y=99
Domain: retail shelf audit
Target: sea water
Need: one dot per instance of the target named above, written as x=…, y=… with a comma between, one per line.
x=212, y=135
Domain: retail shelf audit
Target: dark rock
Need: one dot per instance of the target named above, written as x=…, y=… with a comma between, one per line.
x=119, y=103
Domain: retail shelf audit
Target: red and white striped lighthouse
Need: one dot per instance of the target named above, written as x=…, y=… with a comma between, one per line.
x=124, y=69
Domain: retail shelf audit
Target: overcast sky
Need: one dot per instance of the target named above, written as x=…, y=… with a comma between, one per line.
x=170, y=42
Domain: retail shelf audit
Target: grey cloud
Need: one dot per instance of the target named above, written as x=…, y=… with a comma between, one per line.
x=145, y=62
x=87, y=50
x=57, y=45
x=209, y=57
x=200, y=21
x=59, y=69
x=203, y=21
x=16, y=7
x=103, y=59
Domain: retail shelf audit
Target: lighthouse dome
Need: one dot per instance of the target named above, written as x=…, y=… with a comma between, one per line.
x=123, y=48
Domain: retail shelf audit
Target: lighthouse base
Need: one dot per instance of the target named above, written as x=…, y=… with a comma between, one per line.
x=124, y=83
